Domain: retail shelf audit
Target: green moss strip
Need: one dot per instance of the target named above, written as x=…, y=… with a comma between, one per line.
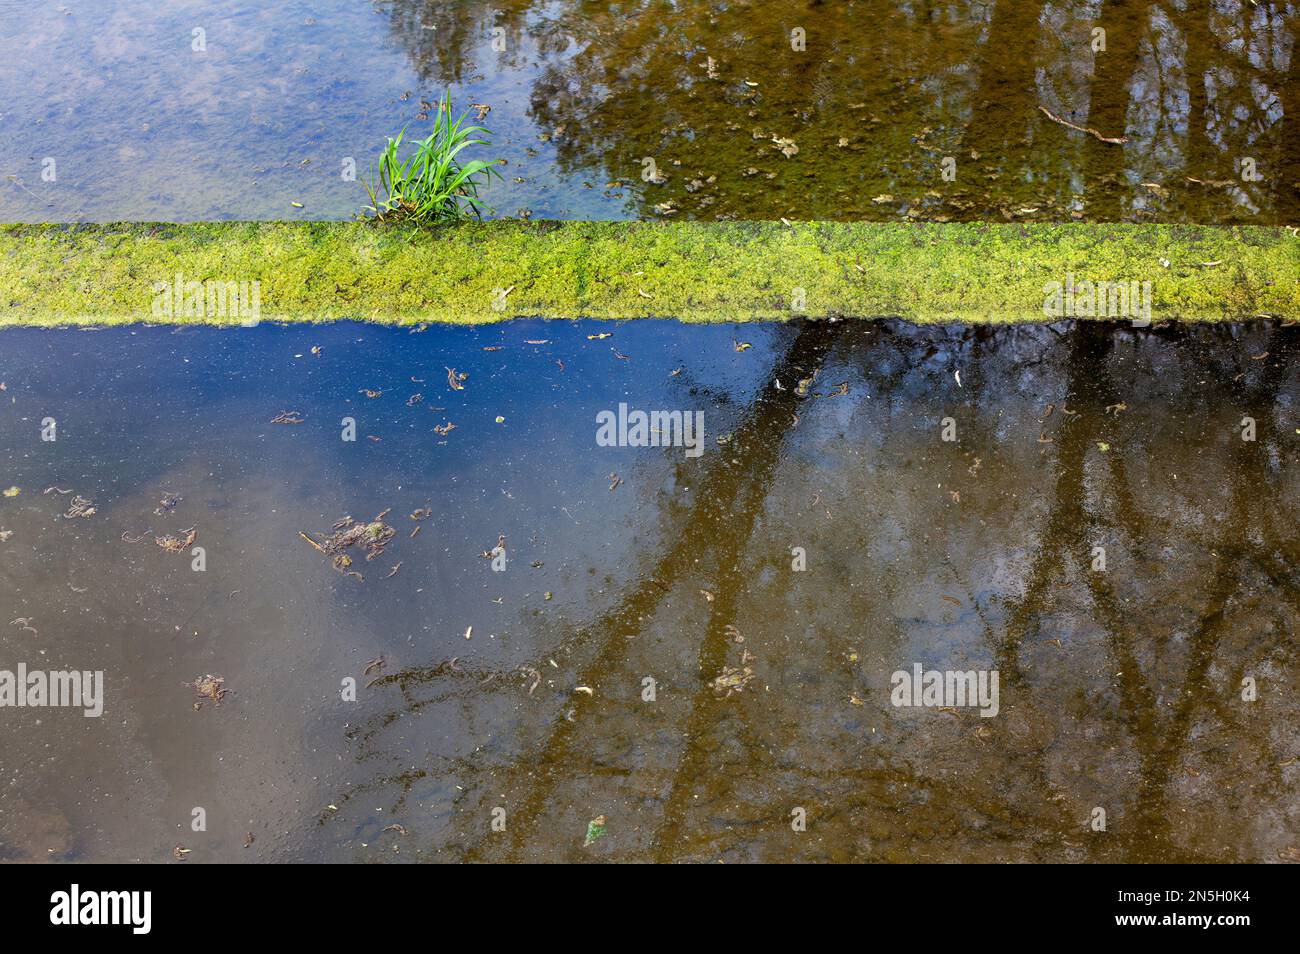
x=696, y=271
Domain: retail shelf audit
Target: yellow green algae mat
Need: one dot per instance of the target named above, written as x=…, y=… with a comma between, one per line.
x=237, y=272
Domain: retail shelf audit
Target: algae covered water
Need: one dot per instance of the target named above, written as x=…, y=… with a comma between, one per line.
x=362, y=593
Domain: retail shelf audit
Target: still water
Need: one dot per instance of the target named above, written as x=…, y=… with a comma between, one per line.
x=185, y=110
x=520, y=695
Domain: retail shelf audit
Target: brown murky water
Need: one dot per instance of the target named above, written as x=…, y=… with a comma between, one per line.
x=742, y=115
x=1120, y=689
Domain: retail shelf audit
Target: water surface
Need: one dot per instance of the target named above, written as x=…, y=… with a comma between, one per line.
x=1120, y=689
x=874, y=96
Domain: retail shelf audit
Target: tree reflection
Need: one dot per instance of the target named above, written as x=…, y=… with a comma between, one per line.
x=885, y=90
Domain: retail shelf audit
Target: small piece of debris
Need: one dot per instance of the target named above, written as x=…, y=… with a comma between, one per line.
x=370, y=537
x=732, y=679
x=177, y=544
x=209, y=687
x=497, y=550
x=79, y=507
x=595, y=831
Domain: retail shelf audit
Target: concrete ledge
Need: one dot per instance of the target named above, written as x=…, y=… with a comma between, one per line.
x=696, y=271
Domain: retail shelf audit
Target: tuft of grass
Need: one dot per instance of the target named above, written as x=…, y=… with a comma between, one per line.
x=432, y=185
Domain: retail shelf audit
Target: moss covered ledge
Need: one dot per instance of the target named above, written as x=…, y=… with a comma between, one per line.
x=696, y=271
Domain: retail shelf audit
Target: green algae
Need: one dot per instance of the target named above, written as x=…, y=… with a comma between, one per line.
x=734, y=271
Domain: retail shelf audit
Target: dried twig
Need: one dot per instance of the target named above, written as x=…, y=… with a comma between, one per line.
x=1114, y=140
x=318, y=547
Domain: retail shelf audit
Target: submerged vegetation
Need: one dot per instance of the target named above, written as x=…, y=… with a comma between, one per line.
x=432, y=185
x=697, y=271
